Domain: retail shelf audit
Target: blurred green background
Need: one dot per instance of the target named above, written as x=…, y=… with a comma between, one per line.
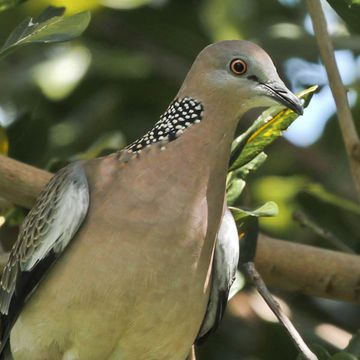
x=99, y=92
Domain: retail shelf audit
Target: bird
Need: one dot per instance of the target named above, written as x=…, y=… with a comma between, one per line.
x=131, y=256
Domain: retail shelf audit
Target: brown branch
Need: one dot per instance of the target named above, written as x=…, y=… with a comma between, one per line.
x=309, y=270
x=346, y=121
x=282, y=264
x=20, y=184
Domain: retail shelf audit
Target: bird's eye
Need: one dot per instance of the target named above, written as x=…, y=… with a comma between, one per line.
x=238, y=66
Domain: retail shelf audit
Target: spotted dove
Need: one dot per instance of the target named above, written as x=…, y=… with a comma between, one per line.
x=131, y=256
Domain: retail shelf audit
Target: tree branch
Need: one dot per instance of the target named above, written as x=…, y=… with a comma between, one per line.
x=308, y=270
x=282, y=264
x=346, y=121
x=20, y=184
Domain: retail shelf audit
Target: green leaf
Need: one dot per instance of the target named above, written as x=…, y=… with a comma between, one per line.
x=49, y=27
x=267, y=210
x=251, y=166
x=235, y=179
x=234, y=190
x=7, y=4
x=268, y=127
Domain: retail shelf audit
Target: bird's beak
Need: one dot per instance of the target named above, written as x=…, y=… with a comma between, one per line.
x=283, y=95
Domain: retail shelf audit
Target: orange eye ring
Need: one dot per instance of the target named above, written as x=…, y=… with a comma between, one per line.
x=238, y=66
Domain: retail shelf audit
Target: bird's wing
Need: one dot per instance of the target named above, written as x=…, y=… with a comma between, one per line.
x=225, y=263
x=46, y=231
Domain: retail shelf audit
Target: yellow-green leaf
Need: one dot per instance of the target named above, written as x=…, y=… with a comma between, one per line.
x=251, y=166
x=4, y=142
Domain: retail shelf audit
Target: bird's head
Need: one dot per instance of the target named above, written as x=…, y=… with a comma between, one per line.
x=239, y=74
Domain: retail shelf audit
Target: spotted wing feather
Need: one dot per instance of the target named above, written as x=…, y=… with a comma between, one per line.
x=225, y=263
x=46, y=231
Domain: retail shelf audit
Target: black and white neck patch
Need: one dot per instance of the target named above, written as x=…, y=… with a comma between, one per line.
x=179, y=116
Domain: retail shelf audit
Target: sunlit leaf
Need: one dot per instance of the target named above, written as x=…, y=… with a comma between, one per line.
x=49, y=27
x=268, y=127
x=7, y=4
x=267, y=210
x=4, y=142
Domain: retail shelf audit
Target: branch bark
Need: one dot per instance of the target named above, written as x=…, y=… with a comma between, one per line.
x=346, y=121
x=282, y=264
x=20, y=183
x=309, y=270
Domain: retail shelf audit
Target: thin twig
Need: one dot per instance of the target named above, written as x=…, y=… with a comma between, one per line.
x=346, y=121
x=323, y=233
x=257, y=281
